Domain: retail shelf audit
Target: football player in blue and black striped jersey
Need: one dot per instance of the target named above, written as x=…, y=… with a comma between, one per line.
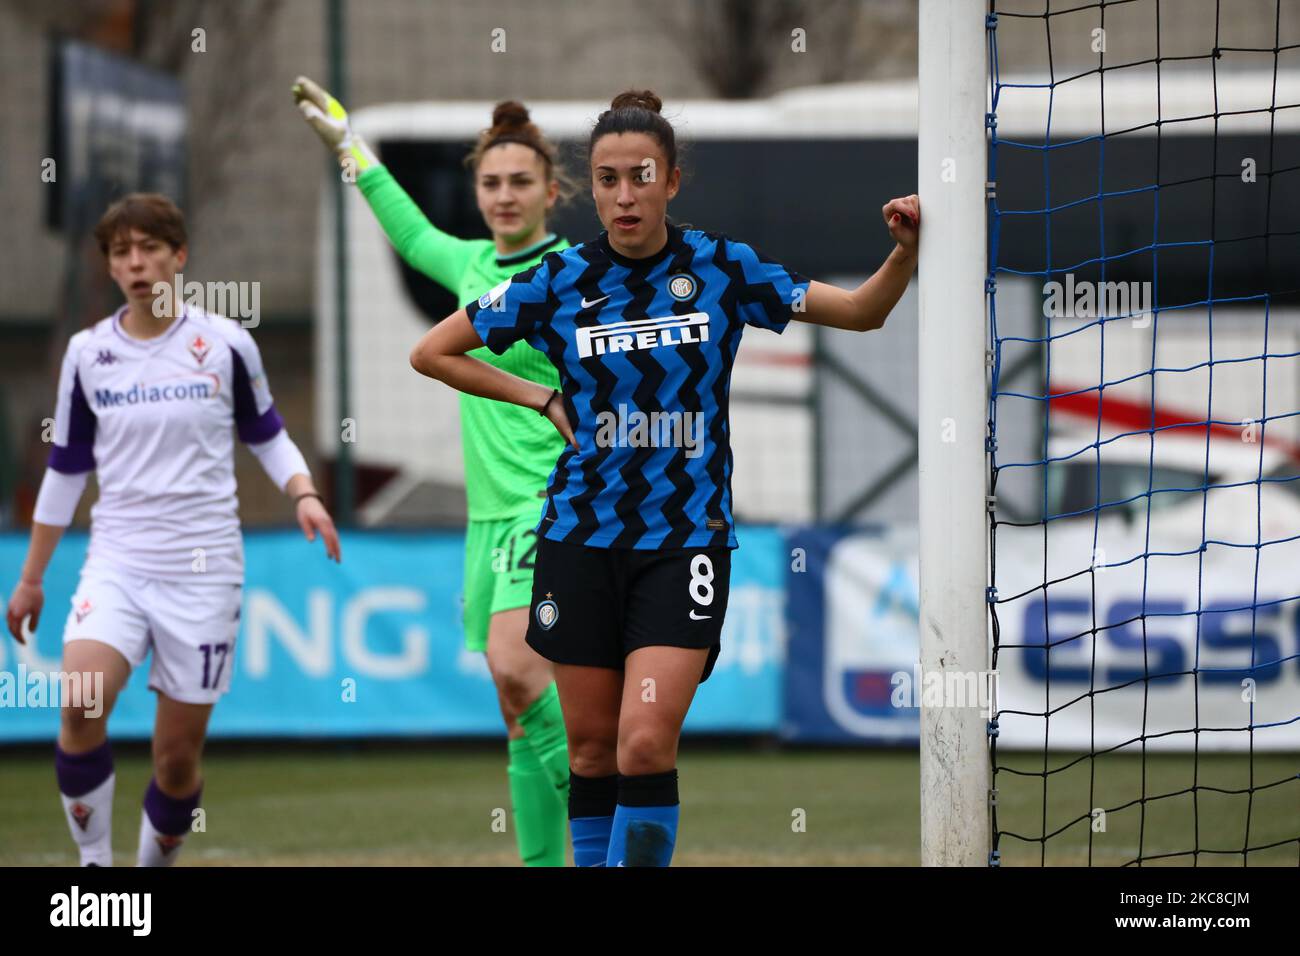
x=633, y=560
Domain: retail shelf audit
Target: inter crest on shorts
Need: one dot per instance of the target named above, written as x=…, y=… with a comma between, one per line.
x=547, y=614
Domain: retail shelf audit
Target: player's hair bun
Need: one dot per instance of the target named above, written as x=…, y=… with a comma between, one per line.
x=645, y=99
x=509, y=114
x=636, y=111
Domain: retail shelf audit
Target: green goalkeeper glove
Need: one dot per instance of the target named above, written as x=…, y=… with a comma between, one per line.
x=329, y=119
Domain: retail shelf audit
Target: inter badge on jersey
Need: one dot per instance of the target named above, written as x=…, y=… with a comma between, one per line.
x=683, y=286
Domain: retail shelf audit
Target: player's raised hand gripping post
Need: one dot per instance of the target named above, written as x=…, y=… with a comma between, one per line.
x=903, y=217
x=866, y=307
x=329, y=119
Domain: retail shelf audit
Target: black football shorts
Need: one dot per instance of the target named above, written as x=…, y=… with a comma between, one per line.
x=594, y=606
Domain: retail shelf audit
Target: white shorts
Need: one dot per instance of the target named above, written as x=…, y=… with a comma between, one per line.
x=191, y=628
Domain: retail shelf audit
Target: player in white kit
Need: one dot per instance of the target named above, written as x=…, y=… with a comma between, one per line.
x=152, y=404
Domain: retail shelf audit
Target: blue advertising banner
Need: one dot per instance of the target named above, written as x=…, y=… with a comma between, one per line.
x=853, y=613
x=374, y=646
x=1221, y=652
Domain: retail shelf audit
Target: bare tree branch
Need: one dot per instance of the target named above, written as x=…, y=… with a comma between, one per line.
x=231, y=95
x=224, y=85
x=72, y=17
x=735, y=44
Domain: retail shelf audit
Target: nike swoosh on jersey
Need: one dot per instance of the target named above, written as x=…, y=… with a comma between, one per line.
x=700, y=617
x=588, y=305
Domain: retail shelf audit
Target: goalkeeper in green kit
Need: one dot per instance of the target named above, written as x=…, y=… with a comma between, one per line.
x=509, y=450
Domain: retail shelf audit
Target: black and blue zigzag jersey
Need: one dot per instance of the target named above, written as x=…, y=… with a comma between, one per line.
x=644, y=348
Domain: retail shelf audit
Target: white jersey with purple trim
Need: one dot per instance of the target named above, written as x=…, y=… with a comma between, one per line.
x=156, y=420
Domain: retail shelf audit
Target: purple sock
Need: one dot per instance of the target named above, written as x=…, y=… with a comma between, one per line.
x=170, y=815
x=78, y=774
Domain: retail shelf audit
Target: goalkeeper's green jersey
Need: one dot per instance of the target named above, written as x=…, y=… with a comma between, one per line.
x=509, y=450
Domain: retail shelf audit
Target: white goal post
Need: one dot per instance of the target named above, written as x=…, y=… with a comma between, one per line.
x=953, y=402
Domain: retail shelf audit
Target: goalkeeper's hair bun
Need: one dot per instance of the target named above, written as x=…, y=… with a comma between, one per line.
x=510, y=114
x=511, y=123
x=636, y=111
x=644, y=99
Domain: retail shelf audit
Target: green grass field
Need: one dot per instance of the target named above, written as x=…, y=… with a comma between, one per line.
x=431, y=805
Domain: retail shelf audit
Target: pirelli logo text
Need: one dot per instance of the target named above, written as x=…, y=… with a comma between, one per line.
x=643, y=334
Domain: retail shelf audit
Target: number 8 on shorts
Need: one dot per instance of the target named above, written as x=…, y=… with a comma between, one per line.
x=702, y=580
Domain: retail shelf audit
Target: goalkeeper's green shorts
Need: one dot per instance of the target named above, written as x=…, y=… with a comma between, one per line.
x=499, y=558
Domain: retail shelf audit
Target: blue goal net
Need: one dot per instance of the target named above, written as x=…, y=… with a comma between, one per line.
x=1144, y=431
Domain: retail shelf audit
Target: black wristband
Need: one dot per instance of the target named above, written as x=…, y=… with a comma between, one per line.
x=308, y=494
x=554, y=392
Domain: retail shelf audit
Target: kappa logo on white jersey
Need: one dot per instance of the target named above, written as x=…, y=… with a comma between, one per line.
x=691, y=328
